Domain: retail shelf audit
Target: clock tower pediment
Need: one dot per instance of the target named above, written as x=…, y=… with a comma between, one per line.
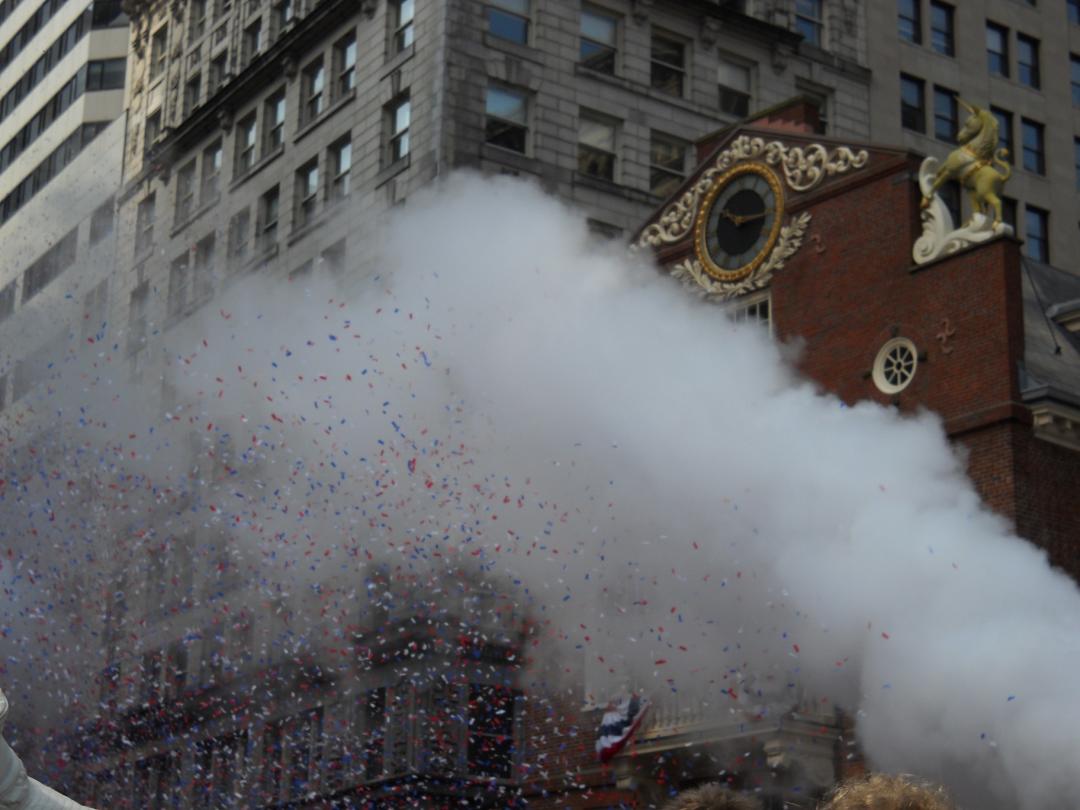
x=748, y=207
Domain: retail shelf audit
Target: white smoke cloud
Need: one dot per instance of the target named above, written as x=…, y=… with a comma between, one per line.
x=506, y=399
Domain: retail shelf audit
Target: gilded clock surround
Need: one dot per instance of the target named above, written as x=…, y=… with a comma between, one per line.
x=701, y=223
x=803, y=168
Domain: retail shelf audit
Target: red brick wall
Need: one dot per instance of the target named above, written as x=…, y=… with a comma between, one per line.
x=1048, y=498
x=862, y=290
x=964, y=314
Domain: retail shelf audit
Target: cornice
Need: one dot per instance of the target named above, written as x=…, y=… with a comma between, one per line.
x=1056, y=423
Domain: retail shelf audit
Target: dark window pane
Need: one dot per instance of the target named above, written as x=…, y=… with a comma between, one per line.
x=997, y=50
x=945, y=115
x=1005, y=139
x=941, y=29
x=505, y=134
x=908, y=22
x=912, y=105
x=1027, y=61
x=596, y=163
x=1036, y=233
x=504, y=25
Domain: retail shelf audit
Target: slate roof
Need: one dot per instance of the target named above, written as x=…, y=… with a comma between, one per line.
x=1051, y=353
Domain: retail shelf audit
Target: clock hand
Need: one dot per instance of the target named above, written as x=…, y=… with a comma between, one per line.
x=749, y=217
x=739, y=219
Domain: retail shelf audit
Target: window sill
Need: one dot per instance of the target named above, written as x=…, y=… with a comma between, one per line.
x=261, y=257
x=141, y=255
x=397, y=61
x=329, y=211
x=611, y=187
x=189, y=309
x=393, y=170
x=637, y=88
x=526, y=52
x=518, y=161
x=256, y=167
x=325, y=114
x=206, y=206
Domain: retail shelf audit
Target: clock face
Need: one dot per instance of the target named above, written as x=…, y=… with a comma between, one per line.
x=739, y=221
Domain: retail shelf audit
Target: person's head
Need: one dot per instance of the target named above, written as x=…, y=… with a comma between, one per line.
x=879, y=791
x=711, y=797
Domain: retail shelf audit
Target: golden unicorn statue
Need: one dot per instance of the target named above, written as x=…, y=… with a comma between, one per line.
x=972, y=163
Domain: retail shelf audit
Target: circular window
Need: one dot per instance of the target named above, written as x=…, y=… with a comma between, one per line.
x=895, y=365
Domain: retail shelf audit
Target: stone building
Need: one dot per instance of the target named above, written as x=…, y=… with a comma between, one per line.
x=272, y=138
x=62, y=68
x=1022, y=59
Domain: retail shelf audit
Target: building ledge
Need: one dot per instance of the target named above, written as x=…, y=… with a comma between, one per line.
x=329, y=211
x=397, y=61
x=608, y=187
x=196, y=214
x=526, y=52
x=257, y=167
x=316, y=122
x=393, y=170
x=1057, y=424
x=640, y=89
x=510, y=159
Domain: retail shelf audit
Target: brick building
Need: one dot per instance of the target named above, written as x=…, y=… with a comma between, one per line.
x=991, y=335
x=985, y=337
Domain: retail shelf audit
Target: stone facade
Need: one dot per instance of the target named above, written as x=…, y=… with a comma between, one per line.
x=61, y=86
x=954, y=58
x=242, y=156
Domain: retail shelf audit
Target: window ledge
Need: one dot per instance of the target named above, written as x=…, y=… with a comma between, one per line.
x=510, y=158
x=189, y=309
x=317, y=221
x=393, y=170
x=610, y=187
x=325, y=114
x=257, y=167
x=526, y=52
x=261, y=257
x=206, y=206
x=397, y=61
x=640, y=88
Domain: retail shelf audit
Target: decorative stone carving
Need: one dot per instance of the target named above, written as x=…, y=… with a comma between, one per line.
x=710, y=31
x=640, y=10
x=947, y=333
x=693, y=275
x=225, y=119
x=803, y=168
x=940, y=237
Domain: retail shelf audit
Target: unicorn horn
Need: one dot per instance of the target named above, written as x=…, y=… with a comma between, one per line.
x=970, y=108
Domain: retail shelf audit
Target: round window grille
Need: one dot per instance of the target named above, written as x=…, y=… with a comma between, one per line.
x=895, y=365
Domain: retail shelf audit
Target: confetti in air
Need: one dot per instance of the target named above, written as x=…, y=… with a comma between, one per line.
x=497, y=417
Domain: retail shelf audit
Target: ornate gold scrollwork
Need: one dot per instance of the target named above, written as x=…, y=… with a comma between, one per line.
x=691, y=272
x=803, y=168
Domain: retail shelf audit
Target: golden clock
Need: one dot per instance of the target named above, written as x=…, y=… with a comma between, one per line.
x=738, y=222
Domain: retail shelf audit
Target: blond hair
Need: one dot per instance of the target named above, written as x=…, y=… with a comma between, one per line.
x=711, y=797
x=879, y=791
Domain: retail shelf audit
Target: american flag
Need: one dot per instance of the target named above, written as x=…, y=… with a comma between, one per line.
x=620, y=721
